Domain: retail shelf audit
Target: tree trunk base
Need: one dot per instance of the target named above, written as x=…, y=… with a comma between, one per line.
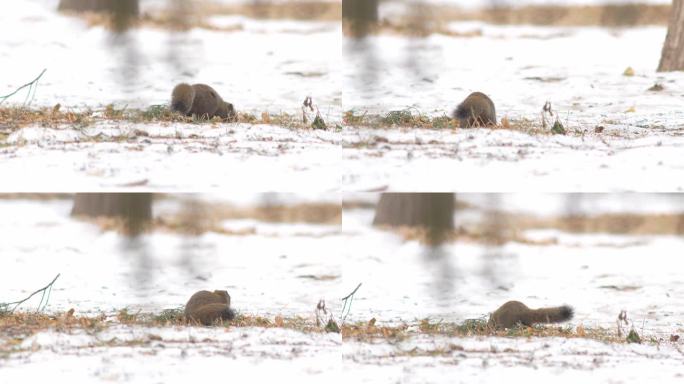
x=672, y=58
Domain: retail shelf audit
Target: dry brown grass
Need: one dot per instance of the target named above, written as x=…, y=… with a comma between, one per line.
x=405, y=118
x=512, y=228
x=613, y=223
x=197, y=15
x=433, y=19
x=369, y=331
x=27, y=323
x=413, y=118
x=472, y=234
x=202, y=217
x=310, y=10
x=589, y=15
x=12, y=118
x=35, y=196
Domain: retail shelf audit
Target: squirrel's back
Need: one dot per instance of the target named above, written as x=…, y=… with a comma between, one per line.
x=207, y=307
x=477, y=110
x=200, y=100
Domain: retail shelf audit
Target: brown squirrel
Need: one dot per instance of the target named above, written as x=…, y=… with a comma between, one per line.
x=200, y=100
x=514, y=312
x=477, y=110
x=207, y=307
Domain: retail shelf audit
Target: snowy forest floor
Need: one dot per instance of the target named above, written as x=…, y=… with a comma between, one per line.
x=418, y=317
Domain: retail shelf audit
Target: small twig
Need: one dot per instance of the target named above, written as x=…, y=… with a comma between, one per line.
x=29, y=84
x=353, y=292
x=348, y=302
x=46, y=289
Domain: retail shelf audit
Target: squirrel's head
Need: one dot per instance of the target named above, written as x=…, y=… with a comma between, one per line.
x=182, y=97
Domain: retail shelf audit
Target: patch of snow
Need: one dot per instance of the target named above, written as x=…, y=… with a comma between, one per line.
x=487, y=360
x=481, y=160
x=172, y=157
x=181, y=355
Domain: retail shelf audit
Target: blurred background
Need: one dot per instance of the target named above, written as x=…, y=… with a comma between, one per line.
x=263, y=56
x=425, y=56
x=457, y=257
x=274, y=253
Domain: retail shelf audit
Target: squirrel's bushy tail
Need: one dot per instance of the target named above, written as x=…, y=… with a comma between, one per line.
x=552, y=315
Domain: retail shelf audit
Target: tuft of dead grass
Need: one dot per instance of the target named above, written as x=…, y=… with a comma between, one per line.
x=369, y=331
x=28, y=323
x=407, y=118
x=413, y=118
x=13, y=118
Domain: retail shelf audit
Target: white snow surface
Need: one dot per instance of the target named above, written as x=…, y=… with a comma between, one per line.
x=484, y=160
x=488, y=360
x=177, y=355
x=171, y=158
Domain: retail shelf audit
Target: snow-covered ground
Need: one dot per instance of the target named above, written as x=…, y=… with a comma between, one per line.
x=520, y=68
x=483, y=160
x=171, y=157
x=598, y=274
x=490, y=360
x=177, y=355
x=263, y=66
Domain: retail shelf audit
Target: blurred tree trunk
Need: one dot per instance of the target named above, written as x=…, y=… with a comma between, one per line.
x=433, y=211
x=123, y=11
x=672, y=58
x=575, y=218
x=359, y=15
x=134, y=208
